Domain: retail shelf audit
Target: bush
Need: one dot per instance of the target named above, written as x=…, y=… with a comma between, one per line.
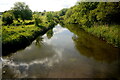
x=7, y=18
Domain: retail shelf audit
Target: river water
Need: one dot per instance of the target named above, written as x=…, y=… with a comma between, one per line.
x=64, y=52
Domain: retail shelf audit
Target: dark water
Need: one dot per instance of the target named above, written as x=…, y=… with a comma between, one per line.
x=64, y=53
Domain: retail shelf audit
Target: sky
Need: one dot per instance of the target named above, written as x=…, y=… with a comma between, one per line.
x=39, y=5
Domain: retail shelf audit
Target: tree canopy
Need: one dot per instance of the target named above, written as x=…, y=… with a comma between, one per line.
x=7, y=17
x=22, y=11
x=87, y=13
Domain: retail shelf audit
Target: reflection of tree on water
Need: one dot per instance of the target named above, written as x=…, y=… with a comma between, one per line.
x=91, y=46
x=38, y=41
x=49, y=34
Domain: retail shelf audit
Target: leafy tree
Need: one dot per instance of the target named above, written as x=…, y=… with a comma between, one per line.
x=7, y=17
x=49, y=16
x=63, y=12
x=56, y=17
x=22, y=11
x=37, y=19
x=108, y=12
x=89, y=13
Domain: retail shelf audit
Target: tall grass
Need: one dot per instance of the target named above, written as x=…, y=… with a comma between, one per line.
x=108, y=33
x=10, y=33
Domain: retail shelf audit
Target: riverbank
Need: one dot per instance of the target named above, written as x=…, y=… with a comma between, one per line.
x=18, y=37
x=69, y=47
x=109, y=33
x=96, y=18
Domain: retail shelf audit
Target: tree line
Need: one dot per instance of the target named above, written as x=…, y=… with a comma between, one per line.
x=21, y=11
x=100, y=19
x=89, y=13
x=83, y=13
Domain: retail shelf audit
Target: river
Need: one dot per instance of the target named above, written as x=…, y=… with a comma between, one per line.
x=64, y=52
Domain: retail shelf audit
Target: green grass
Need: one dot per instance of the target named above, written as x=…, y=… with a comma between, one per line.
x=26, y=22
x=13, y=33
x=19, y=31
x=10, y=33
x=108, y=33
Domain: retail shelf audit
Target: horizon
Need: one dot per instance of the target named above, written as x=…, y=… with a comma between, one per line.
x=39, y=5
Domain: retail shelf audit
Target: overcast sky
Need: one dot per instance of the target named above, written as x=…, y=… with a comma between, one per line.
x=39, y=5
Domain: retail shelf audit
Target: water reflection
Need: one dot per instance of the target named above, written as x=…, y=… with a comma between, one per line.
x=34, y=61
x=49, y=33
x=66, y=54
x=34, y=65
x=38, y=41
x=0, y=68
x=92, y=47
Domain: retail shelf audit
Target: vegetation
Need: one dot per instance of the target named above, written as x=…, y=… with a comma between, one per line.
x=89, y=13
x=86, y=44
x=49, y=34
x=11, y=33
x=99, y=18
x=37, y=19
x=108, y=33
x=22, y=11
x=7, y=18
x=21, y=26
x=19, y=12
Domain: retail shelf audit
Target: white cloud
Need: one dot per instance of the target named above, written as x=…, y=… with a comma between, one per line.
x=39, y=5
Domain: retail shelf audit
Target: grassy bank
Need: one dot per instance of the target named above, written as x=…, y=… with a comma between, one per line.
x=105, y=32
x=90, y=14
x=18, y=37
x=11, y=33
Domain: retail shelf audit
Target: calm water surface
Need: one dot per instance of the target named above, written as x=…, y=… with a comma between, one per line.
x=64, y=53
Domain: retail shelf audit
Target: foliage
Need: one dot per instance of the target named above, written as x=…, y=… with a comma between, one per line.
x=92, y=47
x=49, y=34
x=63, y=12
x=89, y=13
x=107, y=12
x=22, y=11
x=58, y=16
x=37, y=19
x=7, y=18
x=108, y=33
x=10, y=33
x=49, y=16
x=45, y=20
x=98, y=18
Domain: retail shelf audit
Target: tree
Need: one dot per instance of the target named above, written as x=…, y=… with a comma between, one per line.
x=7, y=17
x=37, y=19
x=108, y=12
x=49, y=16
x=56, y=16
x=90, y=13
x=63, y=12
x=22, y=11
